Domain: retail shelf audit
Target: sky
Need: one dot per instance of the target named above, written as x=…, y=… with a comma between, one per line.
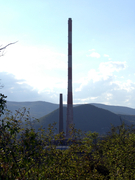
x=103, y=44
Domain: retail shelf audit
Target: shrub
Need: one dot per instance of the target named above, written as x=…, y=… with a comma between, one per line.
x=23, y=154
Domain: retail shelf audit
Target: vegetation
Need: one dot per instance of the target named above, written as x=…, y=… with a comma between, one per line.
x=23, y=154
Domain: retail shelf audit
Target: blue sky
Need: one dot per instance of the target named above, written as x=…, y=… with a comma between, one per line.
x=35, y=68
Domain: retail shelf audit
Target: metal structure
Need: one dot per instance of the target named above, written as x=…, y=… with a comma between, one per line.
x=61, y=114
x=69, y=95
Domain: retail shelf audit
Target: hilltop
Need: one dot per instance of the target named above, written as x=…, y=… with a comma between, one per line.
x=86, y=117
x=39, y=109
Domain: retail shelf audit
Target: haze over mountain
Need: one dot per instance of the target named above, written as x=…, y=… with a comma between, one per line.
x=116, y=109
x=86, y=117
x=39, y=109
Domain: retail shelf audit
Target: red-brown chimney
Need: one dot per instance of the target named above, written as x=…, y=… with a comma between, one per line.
x=69, y=95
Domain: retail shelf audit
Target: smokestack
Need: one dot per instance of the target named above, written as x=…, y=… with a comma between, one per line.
x=69, y=95
x=61, y=114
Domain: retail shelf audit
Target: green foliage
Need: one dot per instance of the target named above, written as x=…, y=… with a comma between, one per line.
x=23, y=154
x=2, y=103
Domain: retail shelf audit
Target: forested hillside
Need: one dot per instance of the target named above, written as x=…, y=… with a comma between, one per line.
x=86, y=117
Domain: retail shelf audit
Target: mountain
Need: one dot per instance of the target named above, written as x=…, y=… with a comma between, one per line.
x=94, y=117
x=86, y=117
x=130, y=118
x=37, y=108
x=116, y=109
x=41, y=108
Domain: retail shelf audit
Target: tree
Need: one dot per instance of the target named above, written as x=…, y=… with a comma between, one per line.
x=2, y=52
x=2, y=96
x=4, y=47
x=2, y=103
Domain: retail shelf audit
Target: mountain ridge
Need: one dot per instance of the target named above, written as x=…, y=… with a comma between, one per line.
x=40, y=108
x=85, y=117
x=116, y=109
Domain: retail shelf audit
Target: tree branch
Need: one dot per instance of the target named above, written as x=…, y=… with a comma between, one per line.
x=7, y=45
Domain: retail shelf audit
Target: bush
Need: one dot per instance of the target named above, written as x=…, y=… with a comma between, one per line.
x=23, y=154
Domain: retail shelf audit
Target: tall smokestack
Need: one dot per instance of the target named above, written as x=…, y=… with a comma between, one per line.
x=69, y=95
x=61, y=114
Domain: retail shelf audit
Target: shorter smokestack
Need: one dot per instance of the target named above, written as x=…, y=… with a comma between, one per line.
x=61, y=114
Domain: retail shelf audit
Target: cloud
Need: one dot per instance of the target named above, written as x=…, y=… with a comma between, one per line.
x=103, y=86
x=105, y=55
x=43, y=57
x=105, y=72
x=19, y=90
x=92, y=50
x=41, y=67
x=107, y=68
x=99, y=86
x=39, y=74
x=94, y=55
x=103, y=91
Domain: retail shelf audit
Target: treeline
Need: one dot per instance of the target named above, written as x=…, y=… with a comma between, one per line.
x=23, y=154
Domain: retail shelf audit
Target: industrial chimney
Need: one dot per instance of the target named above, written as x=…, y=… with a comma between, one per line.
x=61, y=114
x=69, y=95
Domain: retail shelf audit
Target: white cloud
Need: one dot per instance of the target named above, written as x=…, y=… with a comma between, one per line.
x=15, y=90
x=92, y=50
x=93, y=98
x=102, y=86
x=85, y=100
x=36, y=74
x=107, y=68
x=105, y=72
x=128, y=85
x=109, y=96
x=41, y=67
x=115, y=93
x=95, y=55
x=93, y=75
x=105, y=55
